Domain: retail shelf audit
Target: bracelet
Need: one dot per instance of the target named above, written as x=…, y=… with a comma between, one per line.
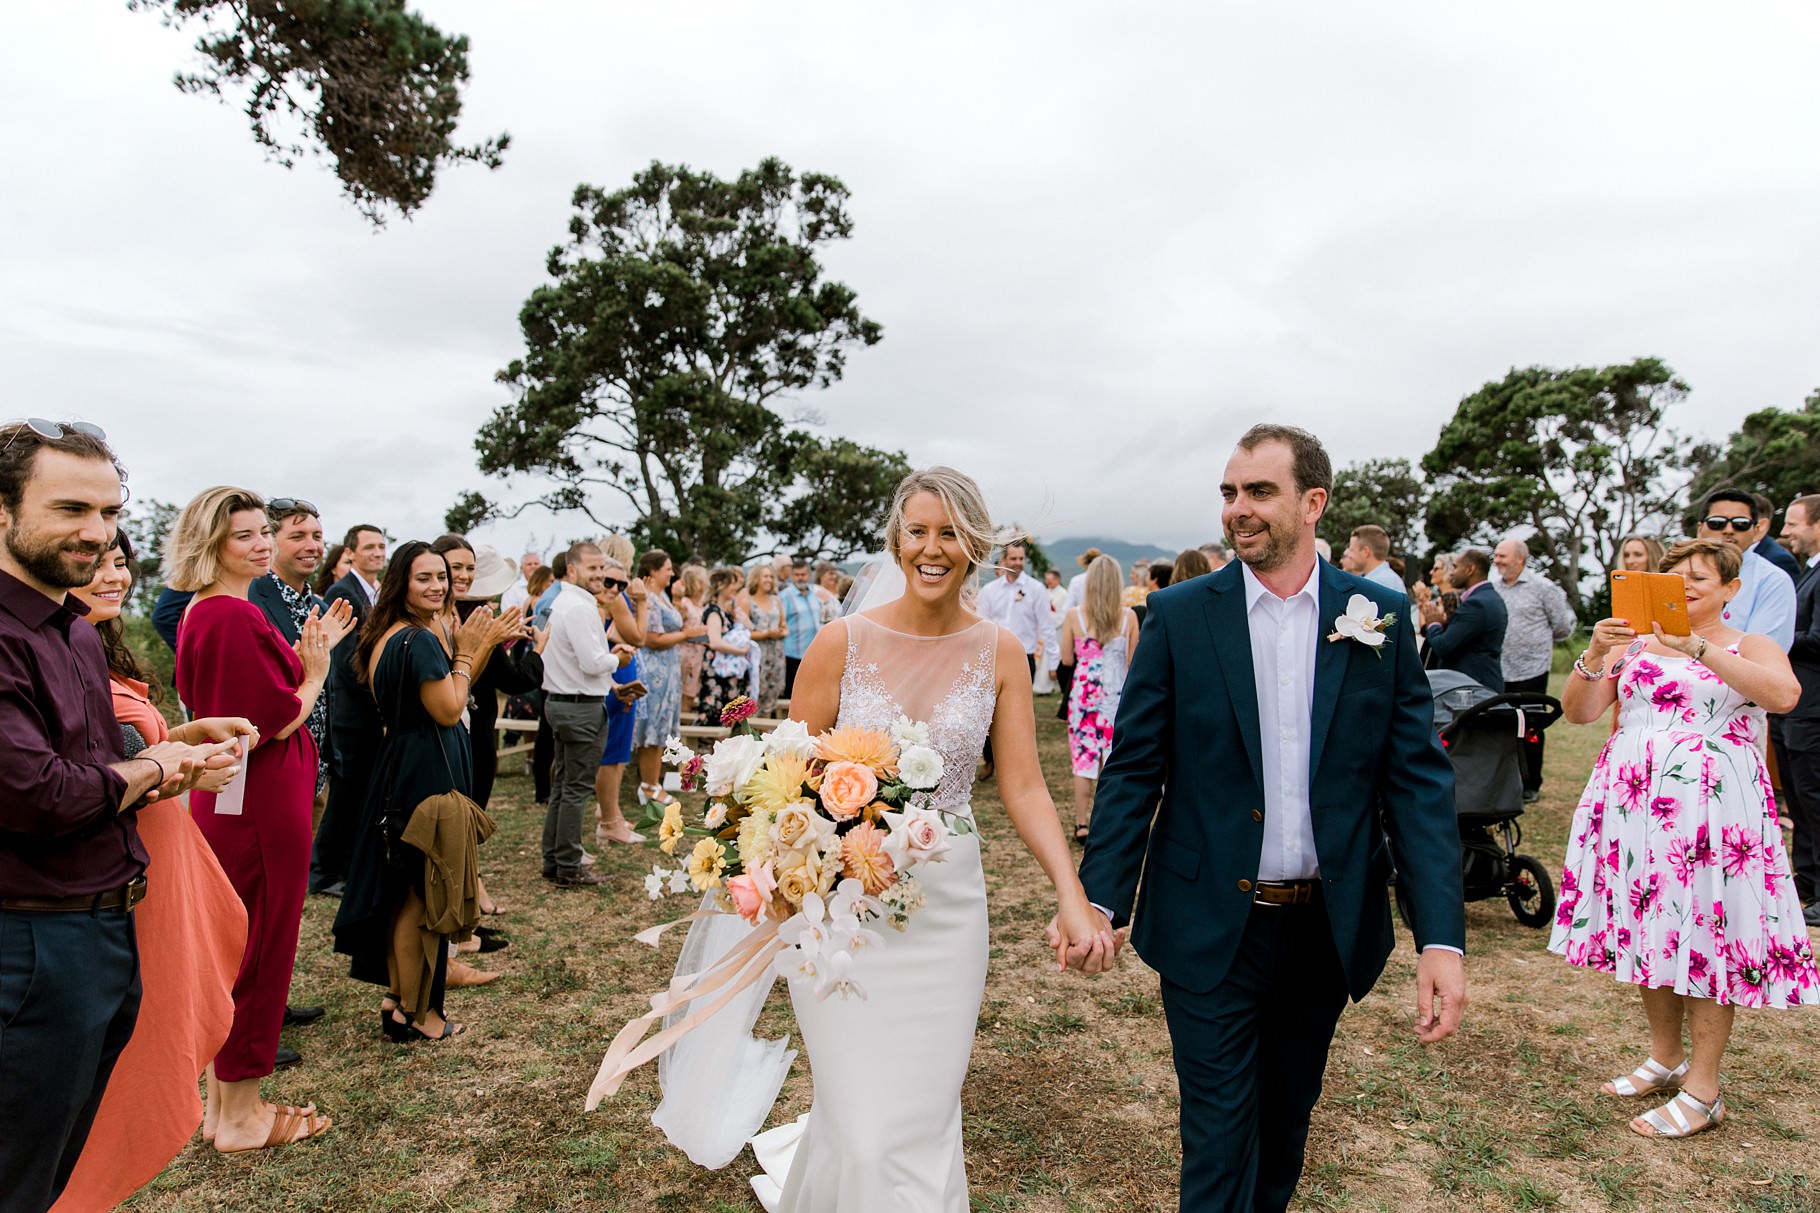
x=1701, y=651
x=462, y=672
x=162, y=777
x=1582, y=671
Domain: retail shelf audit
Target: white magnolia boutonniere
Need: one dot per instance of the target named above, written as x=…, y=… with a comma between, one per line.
x=1362, y=623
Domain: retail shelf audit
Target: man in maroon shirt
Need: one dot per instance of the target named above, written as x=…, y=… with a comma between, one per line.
x=71, y=865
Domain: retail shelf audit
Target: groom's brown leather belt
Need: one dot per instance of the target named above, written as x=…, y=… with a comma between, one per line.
x=1285, y=892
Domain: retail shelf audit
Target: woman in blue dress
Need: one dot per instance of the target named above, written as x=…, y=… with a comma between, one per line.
x=660, y=661
x=623, y=614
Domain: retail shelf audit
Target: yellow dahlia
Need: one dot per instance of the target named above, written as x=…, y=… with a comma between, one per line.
x=863, y=858
x=706, y=863
x=670, y=832
x=755, y=845
x=868, y=747
x=778, y=783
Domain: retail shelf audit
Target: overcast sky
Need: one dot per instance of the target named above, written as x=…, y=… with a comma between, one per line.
x=1102, y=239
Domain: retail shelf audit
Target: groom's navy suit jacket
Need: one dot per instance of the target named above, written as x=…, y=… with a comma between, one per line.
x=1188, y=722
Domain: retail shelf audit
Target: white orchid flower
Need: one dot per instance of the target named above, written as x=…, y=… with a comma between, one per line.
x=1360, y=623
x=654, y=883
x=837, y=978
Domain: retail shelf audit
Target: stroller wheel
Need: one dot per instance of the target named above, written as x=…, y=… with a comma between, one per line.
x=1531, y=893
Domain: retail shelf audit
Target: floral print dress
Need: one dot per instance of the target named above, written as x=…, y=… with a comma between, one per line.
x=1676, y=877
x=1093, y=699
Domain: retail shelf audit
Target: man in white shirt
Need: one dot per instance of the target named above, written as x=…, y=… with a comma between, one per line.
x=1368, y=555
x=1290, y=759
x=519, y=591
x=1018, y=601
x=1765, y=602
x=1537, y=616
x=578, y=666
x=368, y=545
x=1077, y=584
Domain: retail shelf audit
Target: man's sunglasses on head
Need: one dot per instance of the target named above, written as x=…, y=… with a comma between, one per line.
x=53, y=430
x=1719, y=523
x=285, y=507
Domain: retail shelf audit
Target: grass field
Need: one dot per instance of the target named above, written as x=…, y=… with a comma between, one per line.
x=1070, y=1105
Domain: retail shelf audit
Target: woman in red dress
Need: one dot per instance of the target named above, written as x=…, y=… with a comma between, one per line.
x=231, y=661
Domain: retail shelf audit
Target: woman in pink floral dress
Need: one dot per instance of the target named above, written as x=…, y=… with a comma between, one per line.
x=1098, y=639
x=1676, y=879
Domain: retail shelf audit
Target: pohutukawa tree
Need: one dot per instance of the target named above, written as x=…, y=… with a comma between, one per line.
x=683, y=314
x=1581, y=457
x=374, y=87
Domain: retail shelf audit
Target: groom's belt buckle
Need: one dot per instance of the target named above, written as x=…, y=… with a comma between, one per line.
x=1285, y=892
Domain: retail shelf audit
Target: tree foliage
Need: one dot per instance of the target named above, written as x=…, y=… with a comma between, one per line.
x=1386, y=492
x=1775, y=452
x=147, y=524
x=683, y=313
x=1581, y=457
x=366, y=83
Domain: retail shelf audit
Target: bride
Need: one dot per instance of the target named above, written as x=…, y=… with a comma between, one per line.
x=884, y=1132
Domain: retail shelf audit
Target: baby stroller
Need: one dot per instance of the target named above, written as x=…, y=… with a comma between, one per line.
x=1484, y=731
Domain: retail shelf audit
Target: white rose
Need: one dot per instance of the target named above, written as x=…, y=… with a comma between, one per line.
x=733, y=761
x=907, y=732
x=791, y=737
x=919, y=766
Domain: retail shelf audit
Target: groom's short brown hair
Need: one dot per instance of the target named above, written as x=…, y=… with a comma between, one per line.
x=1311, y=466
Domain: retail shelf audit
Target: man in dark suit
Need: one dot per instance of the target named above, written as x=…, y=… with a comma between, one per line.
x=1471, y=641
x=354, y=722
x=1292, y=724
x=1796, y=736
x=1767, y=547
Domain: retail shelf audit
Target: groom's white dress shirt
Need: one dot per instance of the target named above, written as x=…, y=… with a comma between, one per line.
x=1284, y=632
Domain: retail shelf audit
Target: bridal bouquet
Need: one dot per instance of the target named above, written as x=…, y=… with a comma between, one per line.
x=817, y=835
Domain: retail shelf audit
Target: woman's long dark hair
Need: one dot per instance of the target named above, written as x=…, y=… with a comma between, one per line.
x=389, y=608
x=325, y=576
x=120, y=657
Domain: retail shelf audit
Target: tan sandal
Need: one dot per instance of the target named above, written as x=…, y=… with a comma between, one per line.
x=1672, y=1119
x=1646, y=1079
x=289, y=1124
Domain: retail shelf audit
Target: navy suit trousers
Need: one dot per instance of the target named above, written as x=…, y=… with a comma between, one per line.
x=1249, y=1057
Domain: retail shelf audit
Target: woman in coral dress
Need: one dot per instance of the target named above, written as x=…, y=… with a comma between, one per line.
x=1676, y=879
x=191, y=932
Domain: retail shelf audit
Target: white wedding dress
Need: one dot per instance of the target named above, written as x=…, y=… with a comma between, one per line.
x=884, y=1132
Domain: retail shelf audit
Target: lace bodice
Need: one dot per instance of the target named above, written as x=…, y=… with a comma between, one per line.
x=947, y=681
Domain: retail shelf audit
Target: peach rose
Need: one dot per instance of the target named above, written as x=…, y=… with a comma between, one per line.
x=847, y=787
x=746, y=899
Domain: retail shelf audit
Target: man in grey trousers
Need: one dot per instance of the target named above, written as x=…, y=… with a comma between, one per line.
x=578, y=666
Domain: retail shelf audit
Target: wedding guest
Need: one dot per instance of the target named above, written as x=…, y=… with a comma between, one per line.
x=802, y=619
x=1190, y=563
x=543, y=745
x=624, y=606
x=190, y=938
x=1471, y=639
x=286, y=597
x=1018, y=601
x=385, y=925
x=354, y=723
x=1764, y=544
x=512, y=663
x=546, y=599
x=1640, y=554
x=1537, y=617
x=1368, y=555
x=72, y=865
x=690, y=597
x=1796, y=736
x=1098, y=639
x=337, y=563
x=1077, y=585
x=1765, y=601
x=1217, y=555
x=1045, y=683
x=724, y=677
x=830, y=589
x=578, y=669
x=1673, y=882
x=1139, y=589
x=231, y=661
x=660, y=666
x=765, y=616
x=1160, y=573
x=519, y=592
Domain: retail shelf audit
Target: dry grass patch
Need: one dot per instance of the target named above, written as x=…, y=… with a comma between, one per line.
x=1070, y=1105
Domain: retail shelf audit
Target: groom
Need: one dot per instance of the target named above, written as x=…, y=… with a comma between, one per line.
x=1288, y=756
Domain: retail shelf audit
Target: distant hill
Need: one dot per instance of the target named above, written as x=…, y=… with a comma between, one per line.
x=1062, y=552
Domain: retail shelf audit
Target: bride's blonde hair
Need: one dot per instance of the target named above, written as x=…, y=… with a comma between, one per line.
x=961, y=497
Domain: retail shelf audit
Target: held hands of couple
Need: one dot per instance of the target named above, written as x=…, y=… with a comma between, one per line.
x=1083, y=939
x=1440, y=994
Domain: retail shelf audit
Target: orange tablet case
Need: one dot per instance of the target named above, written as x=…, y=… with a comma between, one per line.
x=1643, y=598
